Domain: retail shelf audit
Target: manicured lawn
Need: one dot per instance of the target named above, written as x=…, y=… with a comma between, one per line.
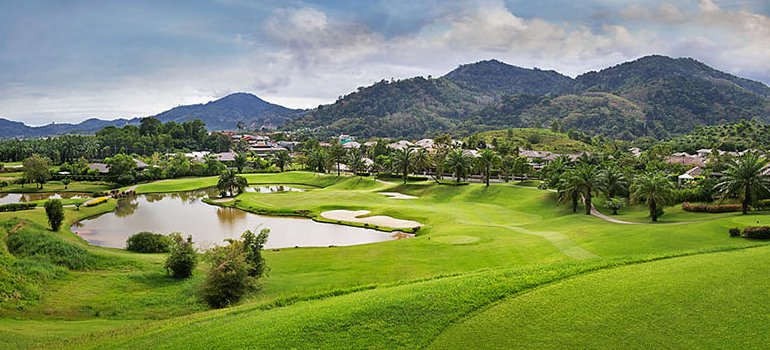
x=57, y=186
x=478, y=245
x=715, y=301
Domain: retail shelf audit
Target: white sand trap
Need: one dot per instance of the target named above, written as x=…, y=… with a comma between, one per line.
x=396, y=195
x=378, y=220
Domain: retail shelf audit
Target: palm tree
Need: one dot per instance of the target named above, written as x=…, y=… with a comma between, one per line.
x=229, y=182
x=240, y=161
x=402, y=160
x=589, y=179
x=655, y=189
x=744, y=177
x=614, y=181
x=317, y=159
x=282, y=159
x=487, y=160
x=355, y=161
x=568, y=190
x=337, y=155
x=421, y=160
x=459, y=164
x=553, y=171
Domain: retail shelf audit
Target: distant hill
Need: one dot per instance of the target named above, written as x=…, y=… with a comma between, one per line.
x=226, y=112
x=11, y=129
x=221, y=114
x=653, y=96
x=495, y=78
x=536, y=139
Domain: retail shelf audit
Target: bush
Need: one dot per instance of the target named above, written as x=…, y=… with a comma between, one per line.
x=17, y=206
x=234, y=269
x=148, y=242
x=48, y=248
x=711, y=208
x=97, y=201
x=735, y=232
x=181, y=262
x=228, y=279
x=763, y=203
x=55, y=213
x=757, y=232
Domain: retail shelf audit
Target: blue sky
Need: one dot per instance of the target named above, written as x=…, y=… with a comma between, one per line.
x=65, y=61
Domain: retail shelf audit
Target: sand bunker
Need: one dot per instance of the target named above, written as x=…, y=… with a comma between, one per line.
x=396, y=195
x=378, y=220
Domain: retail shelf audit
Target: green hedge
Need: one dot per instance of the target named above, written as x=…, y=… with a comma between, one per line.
x=17, y=206
x=711, y=208
x=757, y=232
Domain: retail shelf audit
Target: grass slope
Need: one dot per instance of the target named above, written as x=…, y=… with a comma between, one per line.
x=405, y=316
x=712, y=301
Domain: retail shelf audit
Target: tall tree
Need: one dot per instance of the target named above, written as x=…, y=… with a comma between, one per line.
x=55, y=213
x=459, y=163
x=488, y=160
x=402, y=161
x=230, y=182
x=240, y=162
x=36, y=169
x=337, y=155
x=655, y=189
x=615, y=181
x=317, y=159
x=744, y=177
x=589, y=179
x=569, y=190
x=282, y=159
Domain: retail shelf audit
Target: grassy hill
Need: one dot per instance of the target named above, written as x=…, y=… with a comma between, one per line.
x=479, y=246
x=536, y=139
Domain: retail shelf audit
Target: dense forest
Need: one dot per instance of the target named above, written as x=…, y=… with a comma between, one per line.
x=149, y=137
x=654, y=96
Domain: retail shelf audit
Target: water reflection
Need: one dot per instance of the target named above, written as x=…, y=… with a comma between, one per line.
x=273, y=189
x=209, y=225
x=6, y=198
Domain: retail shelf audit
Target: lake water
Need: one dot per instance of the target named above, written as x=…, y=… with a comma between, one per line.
x=210, y=225
x=6, y=198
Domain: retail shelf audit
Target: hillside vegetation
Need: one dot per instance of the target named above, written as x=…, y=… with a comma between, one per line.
x=654, y=96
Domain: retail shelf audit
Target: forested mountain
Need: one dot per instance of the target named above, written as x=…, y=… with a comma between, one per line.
x=9, y=129
x=411, y=107
x=225, y=113
x=495, y=78
x=222, y=114
x=677, y=95
x=653, y=96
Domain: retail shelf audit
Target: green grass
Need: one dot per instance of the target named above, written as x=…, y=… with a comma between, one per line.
x=712, y=301
x=546, y=140
x=479, y=245
x=57, y=186
x=404, y=316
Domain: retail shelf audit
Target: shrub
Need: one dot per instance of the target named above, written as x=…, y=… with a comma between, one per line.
x=763, y=203
x=711, y=208
x=148, y=242
x=181, y=262
x=614, y=204
x=48, y=248
x=735, y=232
x=234, y=269
x=55, y=213
x=757, y=232
x=97, y=201
x=17, y=206
x=228, y=279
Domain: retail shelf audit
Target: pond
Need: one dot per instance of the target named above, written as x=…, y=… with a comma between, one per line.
x=6, y=198
x=210, y=225
x=273, y=189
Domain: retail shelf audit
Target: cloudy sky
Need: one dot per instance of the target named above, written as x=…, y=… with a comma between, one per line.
x=65, y=61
